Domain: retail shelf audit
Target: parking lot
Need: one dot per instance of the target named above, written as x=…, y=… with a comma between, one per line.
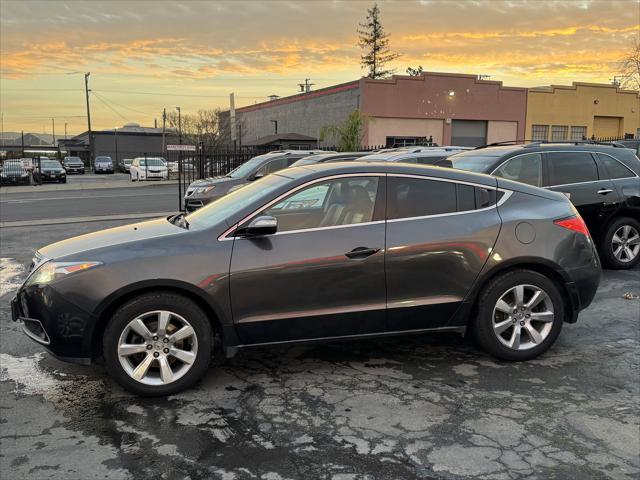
x=431, y=406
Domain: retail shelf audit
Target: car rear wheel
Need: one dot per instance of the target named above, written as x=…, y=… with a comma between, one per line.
x=620, y=248
x=520, y=315
x=158, y=344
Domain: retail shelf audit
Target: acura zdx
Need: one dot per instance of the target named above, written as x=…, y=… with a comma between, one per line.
x=324, y=251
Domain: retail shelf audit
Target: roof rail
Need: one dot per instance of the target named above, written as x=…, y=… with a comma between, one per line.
x=497, y=144
x=573, y=142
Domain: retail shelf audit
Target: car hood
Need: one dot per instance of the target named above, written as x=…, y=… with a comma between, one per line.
x=205, y=182
x=111, y=237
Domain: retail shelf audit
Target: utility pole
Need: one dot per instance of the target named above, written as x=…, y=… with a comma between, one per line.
x=179, y=126
x=53, y=130
x=2, y=128
x=306, y=86
x=164, y=123
x=22, y=142
x=86, y=93
x=65, y=130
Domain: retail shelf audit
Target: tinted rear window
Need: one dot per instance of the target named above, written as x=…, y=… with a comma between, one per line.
x=614, y=168
x=414, y=197
x=571, y=167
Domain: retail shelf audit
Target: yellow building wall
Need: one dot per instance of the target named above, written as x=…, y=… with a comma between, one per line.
x=602, y=108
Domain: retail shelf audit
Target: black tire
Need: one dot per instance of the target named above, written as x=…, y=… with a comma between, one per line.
x=482, y=327
x=160, y=300
x=607, y=247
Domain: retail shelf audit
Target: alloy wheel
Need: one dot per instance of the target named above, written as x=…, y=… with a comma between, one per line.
x=625, y=243
x=158, y=347
x=523, y=317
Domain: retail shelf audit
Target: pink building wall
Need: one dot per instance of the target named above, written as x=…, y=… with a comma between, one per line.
x=427, y=97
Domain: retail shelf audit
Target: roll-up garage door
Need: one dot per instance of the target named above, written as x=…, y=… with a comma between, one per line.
x=468, y=133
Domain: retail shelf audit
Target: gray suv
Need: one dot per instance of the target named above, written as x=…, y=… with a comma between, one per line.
x=327, y=251
x=203, y=192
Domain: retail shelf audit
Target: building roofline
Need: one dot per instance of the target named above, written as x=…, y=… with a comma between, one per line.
x=424, y=75
x=575, y=85
x=352, y=85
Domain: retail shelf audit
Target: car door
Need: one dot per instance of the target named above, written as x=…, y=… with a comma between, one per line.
x=322, y=273
x=439, y=236
x=590, y=190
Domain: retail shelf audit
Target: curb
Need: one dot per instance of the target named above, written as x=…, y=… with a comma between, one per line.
x=96, y=218
x=68, y=187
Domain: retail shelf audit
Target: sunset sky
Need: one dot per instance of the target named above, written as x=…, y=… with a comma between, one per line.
x=147, y=55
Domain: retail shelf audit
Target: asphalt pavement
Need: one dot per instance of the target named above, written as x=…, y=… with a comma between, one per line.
x=71, y=202
x=417, y=407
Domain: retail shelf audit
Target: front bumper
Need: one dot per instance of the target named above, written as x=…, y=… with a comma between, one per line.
x=14, y=180
x=51, y=177
x=193, y=203
x=61, y=327
x=75, y=170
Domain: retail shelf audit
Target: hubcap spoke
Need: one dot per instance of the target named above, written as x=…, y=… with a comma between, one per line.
x=163, y=321
x=131, y=349
x=141, y=370
x=537, y=297
x=165, y=370
x=546, y=317
x=183, y=355
x=625, y=231
x=502, y=326
x=616, y=239
x=184, y=332
x=514, y=341
x=141, y=329
x=504, y=307
x=519, y=293
x=533, y=334
x=633, y=240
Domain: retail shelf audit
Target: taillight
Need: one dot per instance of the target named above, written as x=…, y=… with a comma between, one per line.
x=575, y=223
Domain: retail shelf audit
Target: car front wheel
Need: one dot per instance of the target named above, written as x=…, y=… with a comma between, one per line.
x=520, y=315
x=620, y=248
x=158, y=344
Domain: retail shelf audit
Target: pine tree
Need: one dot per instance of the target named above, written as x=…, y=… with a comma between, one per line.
x=375, y=43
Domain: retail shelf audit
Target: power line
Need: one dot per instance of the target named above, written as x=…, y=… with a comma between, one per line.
x=43, y=90
x=132, y=92
x=109, y=106
x=125, y=106
x=45, y=116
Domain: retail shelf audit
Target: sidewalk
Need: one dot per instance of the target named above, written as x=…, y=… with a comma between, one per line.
x=82, y=186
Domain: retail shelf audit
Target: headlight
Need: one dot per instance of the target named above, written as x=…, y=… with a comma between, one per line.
x=204, y=189
x=50, y=271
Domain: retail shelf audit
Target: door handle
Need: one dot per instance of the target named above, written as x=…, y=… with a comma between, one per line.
x=604, y=191
x=361, y=252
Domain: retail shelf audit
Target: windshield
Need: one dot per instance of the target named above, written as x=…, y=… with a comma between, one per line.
x=219, y=210
x=151, y=162
x=248, y=167
x=127, y=161
x=50, y=164
x=475, y=162
x=72, y=159
x=103, y=159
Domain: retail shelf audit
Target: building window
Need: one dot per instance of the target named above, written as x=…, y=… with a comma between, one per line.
x=393, y=142
x=559, y=133
x=540, y=133
x=578, y=133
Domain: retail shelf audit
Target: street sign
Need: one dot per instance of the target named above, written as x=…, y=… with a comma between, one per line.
x=181, y=148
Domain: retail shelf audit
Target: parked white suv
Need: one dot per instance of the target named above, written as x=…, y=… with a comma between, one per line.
x=148, y=168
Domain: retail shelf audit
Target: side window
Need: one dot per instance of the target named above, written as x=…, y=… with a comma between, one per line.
x=571, y=167
x=273, y=166
x=414, y=197
x=523, y=168
x=344, y=201
x=614, y=168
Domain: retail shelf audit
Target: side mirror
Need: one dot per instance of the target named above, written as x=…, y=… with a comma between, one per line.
x=258, y=227
x=257, y=176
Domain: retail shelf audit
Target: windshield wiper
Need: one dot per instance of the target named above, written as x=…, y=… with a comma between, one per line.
x=180, y=220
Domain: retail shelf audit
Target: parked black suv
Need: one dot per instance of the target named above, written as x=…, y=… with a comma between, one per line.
x=602, y=181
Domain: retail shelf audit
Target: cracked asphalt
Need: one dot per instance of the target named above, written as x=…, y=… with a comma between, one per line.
x=421, y=407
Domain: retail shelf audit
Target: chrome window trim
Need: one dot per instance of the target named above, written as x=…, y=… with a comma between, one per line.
x=225, y=236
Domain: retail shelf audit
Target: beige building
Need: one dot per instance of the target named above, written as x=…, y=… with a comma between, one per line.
x=582, y=110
